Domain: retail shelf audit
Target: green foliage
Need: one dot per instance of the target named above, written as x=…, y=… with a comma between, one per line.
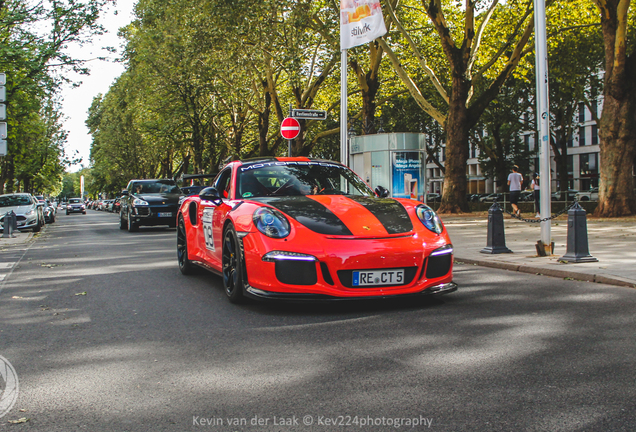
x=33, y=38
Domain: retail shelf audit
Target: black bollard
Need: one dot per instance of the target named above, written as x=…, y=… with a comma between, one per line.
x=496, y=240
x=577, y=250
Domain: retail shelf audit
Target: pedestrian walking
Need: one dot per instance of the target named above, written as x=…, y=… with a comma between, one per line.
x=515, y=179
x=536, y=190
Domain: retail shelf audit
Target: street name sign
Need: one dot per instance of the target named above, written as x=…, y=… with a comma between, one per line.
x=309, y=114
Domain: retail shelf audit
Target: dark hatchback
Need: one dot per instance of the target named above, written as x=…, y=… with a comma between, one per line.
x=151, y=202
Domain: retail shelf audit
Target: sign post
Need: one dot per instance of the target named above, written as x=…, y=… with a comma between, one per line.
x=3, y=114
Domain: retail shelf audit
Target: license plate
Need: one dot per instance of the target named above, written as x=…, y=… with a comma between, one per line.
x=169, y=214
x=378, y=277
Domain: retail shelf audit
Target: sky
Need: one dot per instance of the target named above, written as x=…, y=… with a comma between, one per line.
x=76, y=101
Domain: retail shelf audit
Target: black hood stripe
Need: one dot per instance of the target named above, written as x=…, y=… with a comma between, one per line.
x=308, y=212
x=391, y=214
x=318, y=218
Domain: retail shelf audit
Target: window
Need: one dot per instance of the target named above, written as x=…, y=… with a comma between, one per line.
x=594, y=134
x=223, y=183
x=581, y=112
x=589, y=164
x=581, y=136
x=595, y=107
x=570, y=141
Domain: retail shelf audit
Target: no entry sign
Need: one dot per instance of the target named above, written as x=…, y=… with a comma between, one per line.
x=290, y=128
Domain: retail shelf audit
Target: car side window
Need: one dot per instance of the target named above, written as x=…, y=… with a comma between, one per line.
x=223, y=183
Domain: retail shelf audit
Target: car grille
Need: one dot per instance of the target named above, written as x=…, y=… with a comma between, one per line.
x=143, y=211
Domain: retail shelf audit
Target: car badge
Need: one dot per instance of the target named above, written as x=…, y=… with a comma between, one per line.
x=366, y=227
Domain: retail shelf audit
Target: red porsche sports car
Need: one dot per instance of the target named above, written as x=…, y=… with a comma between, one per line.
x=306, y=229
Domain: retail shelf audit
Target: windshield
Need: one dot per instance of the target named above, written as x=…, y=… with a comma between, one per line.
x=155, y=187
x=299, y=178
x=15, y=200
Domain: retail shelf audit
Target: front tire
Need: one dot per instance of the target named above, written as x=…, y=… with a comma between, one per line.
x=232, y=265
x=185, y=265
x=123, y=224
x=132, y=226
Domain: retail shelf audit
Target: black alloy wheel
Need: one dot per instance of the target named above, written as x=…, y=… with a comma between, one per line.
x=185, y=265
x=232, y=265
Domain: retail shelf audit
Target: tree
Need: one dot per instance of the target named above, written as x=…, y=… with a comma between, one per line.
x=33, y=40
x=462, y=52
x=617, y=126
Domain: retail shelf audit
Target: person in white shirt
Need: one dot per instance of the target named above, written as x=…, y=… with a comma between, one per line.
x=514, y=183
x=536, y=190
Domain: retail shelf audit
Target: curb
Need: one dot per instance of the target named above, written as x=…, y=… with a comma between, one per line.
x=562, y=274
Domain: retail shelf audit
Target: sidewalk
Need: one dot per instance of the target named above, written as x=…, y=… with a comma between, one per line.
x=612, y=242
x=17, y=238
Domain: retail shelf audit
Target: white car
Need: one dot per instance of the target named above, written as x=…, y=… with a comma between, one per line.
x=29, y=212
x=591, y=195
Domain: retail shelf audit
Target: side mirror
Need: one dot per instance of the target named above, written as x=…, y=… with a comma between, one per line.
x=125, y=192
x=211, y=194
x=382, y=192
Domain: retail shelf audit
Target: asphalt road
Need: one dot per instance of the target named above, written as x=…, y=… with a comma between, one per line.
x=105, y=334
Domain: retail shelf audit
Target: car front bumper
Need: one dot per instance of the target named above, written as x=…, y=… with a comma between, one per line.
x=154, y=215
x=329, y=267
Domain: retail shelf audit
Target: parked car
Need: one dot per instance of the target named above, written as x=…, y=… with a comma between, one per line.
x=50, y=211
x=75, y=205
x=433, y=197
x=116, y=205
x=149, y=202
x=526, y=196
x=307, y=229
x=569, y=195
x=29, y=212
x=474, y=197
x=591, y=195
x=492, y=197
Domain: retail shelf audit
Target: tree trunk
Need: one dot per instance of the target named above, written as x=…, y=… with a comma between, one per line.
x=617, y=128
x=457, y=128
x=618, y=149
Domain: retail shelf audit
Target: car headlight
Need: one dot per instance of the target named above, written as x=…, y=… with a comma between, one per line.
x=138, y=201
x=30, y=212
x=271, y=222
x=429, y=219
